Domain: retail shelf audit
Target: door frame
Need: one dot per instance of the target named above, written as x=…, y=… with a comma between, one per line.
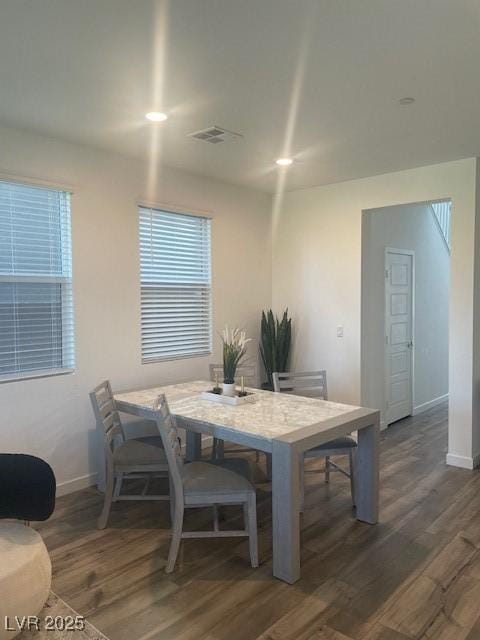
x=406, y=252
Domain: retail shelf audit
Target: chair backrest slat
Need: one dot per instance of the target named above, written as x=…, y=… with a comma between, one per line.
x=106, y=415
x=308, y=383
x=248, y=371
x=160, y=414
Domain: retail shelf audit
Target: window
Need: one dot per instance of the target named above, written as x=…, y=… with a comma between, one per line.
x=175, y=285
x=36, y=306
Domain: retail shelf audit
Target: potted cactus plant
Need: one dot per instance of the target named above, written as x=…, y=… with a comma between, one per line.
x=275, y=343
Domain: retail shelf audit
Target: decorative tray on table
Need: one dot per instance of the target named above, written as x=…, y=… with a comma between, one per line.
x=235, y=400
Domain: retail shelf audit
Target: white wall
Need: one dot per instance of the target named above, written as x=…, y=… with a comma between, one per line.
x=410, y=227
x=317, y=262
x=51, y=417
x=317, y=267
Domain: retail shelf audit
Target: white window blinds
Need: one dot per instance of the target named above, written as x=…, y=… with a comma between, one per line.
x=36, y=306
x=175, y=285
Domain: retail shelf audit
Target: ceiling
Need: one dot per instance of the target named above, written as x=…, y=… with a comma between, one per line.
x=318, y=80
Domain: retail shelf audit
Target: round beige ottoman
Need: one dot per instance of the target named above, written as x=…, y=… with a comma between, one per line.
x=25, y=574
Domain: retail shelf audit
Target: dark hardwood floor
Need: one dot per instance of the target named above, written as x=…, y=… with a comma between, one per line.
x=414, y=575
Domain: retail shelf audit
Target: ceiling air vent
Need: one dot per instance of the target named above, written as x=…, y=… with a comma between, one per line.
x=215, y=135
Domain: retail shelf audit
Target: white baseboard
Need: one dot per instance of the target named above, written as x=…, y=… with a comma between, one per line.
x=69, y=486
x=429, y=405
x=464, y=462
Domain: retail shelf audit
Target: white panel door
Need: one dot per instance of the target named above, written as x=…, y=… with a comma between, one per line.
x=399, y=332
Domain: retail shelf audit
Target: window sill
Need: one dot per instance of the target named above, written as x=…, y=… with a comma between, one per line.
x=35, y=374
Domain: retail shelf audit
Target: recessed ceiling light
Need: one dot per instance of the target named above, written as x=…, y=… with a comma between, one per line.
x=407, y=100
x=156, y=116
x=284, y=162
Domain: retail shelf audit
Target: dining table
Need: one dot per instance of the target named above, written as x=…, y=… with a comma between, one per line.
x=285, y=426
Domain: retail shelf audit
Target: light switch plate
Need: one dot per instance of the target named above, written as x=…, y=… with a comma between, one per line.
x=340, y=332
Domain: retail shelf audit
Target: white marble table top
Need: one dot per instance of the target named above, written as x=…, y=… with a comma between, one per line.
x=272, y=415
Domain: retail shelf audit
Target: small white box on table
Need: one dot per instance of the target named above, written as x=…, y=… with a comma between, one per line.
x=230, y=400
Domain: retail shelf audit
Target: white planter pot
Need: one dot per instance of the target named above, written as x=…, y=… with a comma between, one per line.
x=229, y=389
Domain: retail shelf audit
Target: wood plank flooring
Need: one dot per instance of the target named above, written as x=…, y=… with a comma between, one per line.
x=414, y=575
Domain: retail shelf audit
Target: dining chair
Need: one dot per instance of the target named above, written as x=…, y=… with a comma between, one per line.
x=203, y=484
x=314, y=384
x=137, y=458
x=249, y=374
x=134, y=426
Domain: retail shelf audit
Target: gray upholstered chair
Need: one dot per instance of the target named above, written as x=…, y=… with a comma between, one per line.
x=249, y=374
x=203, y=484
x=314, y=384
x=137, y=458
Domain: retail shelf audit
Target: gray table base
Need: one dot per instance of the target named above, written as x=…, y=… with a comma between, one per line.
x=193, y=448
x=286, y=493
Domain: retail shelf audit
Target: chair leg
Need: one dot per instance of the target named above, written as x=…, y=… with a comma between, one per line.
x=268, y=459
x=301, y=481
x=107, y=503
x=177, y=527
x=218, y=449
x=351, y=456
x=251, y=526
x=327, y=469
x=171, y=492
x=146, y=486
x=216, y=524
x=118, y=485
